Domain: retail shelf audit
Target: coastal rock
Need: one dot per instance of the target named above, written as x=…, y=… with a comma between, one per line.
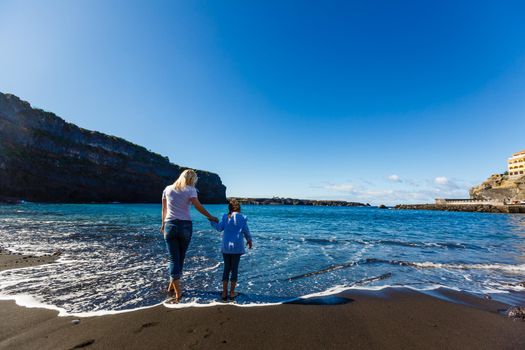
x=45, y=159
x=500, y=187
x=481, y=208
x=516, y=312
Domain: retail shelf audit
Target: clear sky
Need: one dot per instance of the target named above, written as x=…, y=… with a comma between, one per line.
x=375, y=101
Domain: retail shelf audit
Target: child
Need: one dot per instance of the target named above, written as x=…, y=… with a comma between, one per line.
x=235, y=226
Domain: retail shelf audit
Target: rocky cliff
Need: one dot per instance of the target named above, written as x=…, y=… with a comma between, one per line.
x=500, y=187
x=45, y=159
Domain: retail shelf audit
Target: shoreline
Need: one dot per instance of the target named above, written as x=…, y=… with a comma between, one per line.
x=10, y=260
x=387, y=318
x=475, y=208
x=296, y=201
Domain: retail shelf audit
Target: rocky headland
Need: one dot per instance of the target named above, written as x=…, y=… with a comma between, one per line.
x=500, y=187
x=293, y=201
x=45, y=159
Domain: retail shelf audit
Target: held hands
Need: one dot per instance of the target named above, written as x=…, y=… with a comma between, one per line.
x=213, y=218
x=249, y=244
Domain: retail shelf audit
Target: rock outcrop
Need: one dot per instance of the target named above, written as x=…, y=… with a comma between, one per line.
x=516, y=312
x=45, y=159
x=500, y=187
x=293, y=201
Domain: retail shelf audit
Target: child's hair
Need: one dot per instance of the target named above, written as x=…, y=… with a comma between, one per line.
x=233, y=205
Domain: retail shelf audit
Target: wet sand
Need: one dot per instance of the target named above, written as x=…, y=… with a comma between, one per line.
x=387, y=319
x=10, y=260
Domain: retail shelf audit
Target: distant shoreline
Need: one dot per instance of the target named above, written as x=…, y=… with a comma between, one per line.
x=245, y=201
x=480, y=208
x=294, y=201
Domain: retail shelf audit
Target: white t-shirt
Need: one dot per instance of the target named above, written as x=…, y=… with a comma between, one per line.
x=178, y=202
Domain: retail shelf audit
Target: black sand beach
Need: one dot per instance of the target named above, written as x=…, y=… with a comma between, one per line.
x=388, y=319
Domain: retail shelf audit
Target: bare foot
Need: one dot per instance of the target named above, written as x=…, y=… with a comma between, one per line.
x=224, y=294
x=172, y=301
x=177, y=288
x=232, y=290
x=179, y=297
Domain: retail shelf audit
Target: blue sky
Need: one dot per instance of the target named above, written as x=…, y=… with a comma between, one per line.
x=374, y=101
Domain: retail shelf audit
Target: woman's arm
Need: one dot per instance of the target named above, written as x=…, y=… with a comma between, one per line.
x=164, y=209
x=200, y=208
x=218, y=226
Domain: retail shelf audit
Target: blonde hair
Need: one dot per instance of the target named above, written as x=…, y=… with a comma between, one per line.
x=187, y=178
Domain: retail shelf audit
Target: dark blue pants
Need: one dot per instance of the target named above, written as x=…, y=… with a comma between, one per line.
x=177, y=234
x=231, y=264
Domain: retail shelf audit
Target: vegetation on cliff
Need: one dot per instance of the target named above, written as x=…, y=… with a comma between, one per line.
x=45, y=159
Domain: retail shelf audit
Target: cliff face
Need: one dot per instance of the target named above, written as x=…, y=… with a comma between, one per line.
x=45, y=159
x=500, y=187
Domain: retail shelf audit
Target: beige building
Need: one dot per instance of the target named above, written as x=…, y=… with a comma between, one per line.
x=516, y=164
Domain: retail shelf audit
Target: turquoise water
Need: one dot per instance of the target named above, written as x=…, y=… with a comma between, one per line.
x=114, y=258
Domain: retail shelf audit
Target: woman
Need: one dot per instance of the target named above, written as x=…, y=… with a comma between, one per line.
x=177, y=226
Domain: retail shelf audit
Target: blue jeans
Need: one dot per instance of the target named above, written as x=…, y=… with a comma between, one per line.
x=177, y=234
x=231, y=264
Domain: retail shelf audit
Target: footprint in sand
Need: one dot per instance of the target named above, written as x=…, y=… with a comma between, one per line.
x=84, y=344
x=146, y=325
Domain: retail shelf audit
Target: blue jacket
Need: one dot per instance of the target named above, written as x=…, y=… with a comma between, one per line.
x=234, y=227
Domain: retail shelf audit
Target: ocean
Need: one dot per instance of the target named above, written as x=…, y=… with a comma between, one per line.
x=114, y=258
